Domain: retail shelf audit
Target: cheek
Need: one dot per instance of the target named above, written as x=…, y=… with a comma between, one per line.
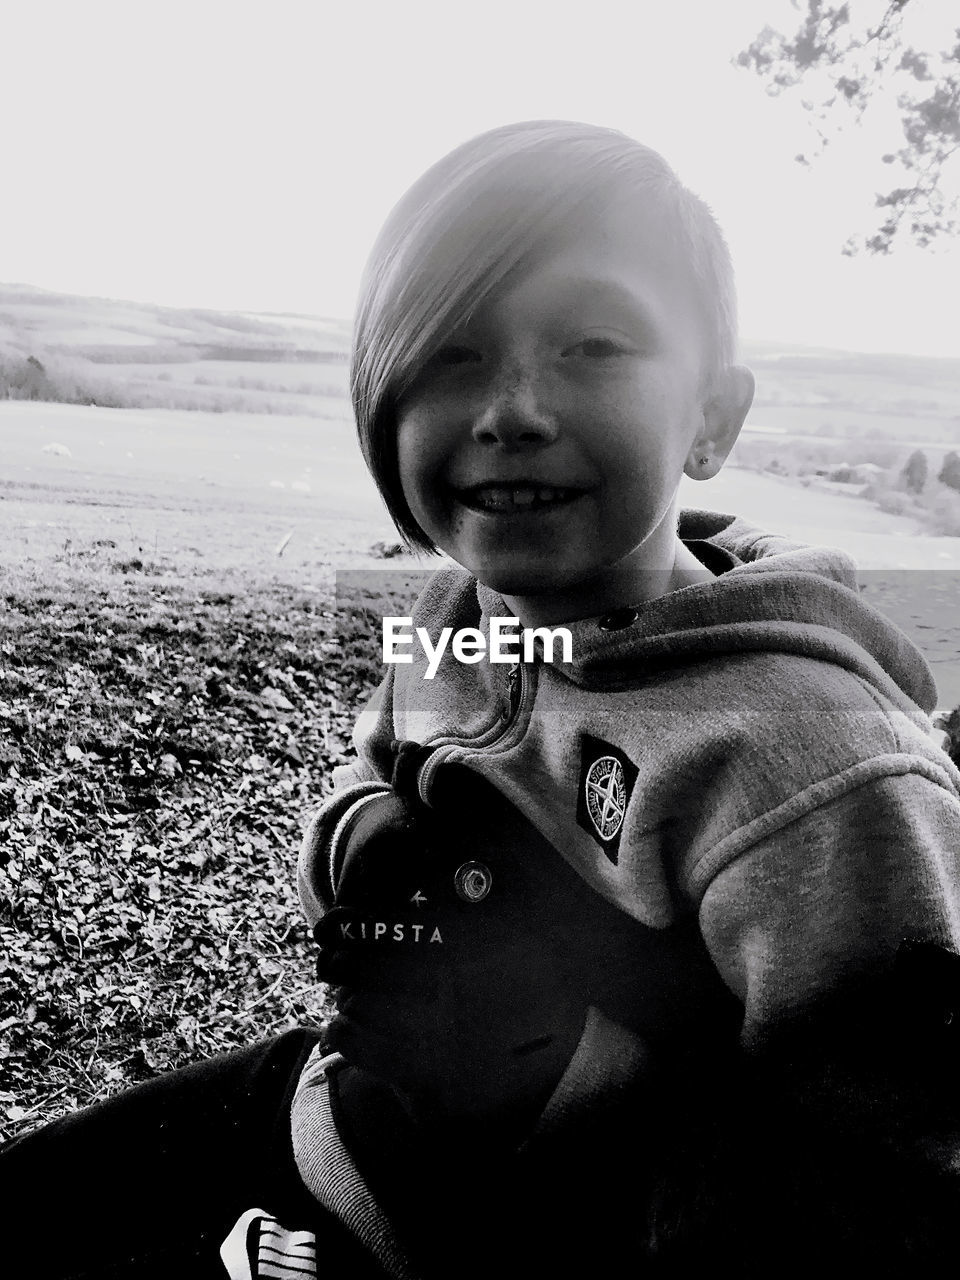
x=406, y=458
x=410, y=443
x=418, y=462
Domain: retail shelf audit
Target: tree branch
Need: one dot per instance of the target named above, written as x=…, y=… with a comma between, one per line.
x=828, y=45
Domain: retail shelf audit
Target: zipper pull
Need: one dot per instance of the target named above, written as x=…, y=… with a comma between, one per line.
x=514, y=677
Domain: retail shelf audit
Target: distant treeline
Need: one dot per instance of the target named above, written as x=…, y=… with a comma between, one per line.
x=27, y=378
x=200, y=351
x=897, y=479
x=272, y=354
x=66, y=381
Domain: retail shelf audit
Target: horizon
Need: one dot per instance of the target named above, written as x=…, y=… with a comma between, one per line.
x=744, y=340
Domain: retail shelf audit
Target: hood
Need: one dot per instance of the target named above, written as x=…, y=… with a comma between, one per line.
x=771, y=594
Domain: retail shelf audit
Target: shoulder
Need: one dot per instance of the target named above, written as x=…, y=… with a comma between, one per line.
x=812, y=714
x=790, y=737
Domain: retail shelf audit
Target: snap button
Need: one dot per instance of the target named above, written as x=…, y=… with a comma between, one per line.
x=619, y=619
x=473, y=881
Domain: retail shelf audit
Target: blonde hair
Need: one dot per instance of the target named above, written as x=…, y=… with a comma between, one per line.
x=473, y=218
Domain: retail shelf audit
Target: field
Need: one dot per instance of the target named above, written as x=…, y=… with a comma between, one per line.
x=841, y=393
x=173, y=696
x=177, y=679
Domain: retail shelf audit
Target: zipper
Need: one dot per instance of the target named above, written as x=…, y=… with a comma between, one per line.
x=515, y=676
x=519, y=684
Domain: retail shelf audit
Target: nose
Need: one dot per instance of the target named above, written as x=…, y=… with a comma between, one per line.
x=513, y=412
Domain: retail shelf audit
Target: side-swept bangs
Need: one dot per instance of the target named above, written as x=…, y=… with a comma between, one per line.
x=474, y=218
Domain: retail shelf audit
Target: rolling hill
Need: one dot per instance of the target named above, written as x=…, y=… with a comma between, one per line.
x=130, y=354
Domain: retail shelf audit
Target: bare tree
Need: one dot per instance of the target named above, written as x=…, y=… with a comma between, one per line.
x=855, y=62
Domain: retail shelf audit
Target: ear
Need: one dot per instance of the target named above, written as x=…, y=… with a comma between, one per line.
x=724, y=410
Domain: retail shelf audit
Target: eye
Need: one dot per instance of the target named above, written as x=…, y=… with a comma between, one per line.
x=598, y=348
x=452, y=355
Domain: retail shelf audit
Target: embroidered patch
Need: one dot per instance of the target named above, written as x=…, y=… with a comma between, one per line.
x=605, y=789
x=606, y=780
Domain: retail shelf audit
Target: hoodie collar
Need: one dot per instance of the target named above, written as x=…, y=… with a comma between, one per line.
x=774, y=595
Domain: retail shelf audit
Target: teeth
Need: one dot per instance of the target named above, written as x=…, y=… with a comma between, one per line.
x=495, y=499
x=502, y=498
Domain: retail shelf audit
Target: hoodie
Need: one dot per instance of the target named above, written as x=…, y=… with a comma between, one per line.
x=754, y=751
x=746, y=762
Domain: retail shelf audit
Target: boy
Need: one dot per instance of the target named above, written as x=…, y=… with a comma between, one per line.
x=639, y=911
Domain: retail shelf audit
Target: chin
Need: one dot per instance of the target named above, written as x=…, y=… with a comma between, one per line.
x=528, y=580
x=517, y=588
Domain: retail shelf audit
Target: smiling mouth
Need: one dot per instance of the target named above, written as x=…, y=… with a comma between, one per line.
x=516, y=498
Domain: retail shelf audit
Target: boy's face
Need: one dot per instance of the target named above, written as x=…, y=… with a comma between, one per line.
x=542, y=446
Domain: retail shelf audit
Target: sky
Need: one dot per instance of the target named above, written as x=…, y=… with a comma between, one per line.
x=242, y=154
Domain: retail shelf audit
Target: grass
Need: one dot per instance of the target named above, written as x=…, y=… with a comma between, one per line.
x=164, y=731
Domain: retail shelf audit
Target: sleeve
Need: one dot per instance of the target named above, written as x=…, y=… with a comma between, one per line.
x=823, y=903
x=837, y=1133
